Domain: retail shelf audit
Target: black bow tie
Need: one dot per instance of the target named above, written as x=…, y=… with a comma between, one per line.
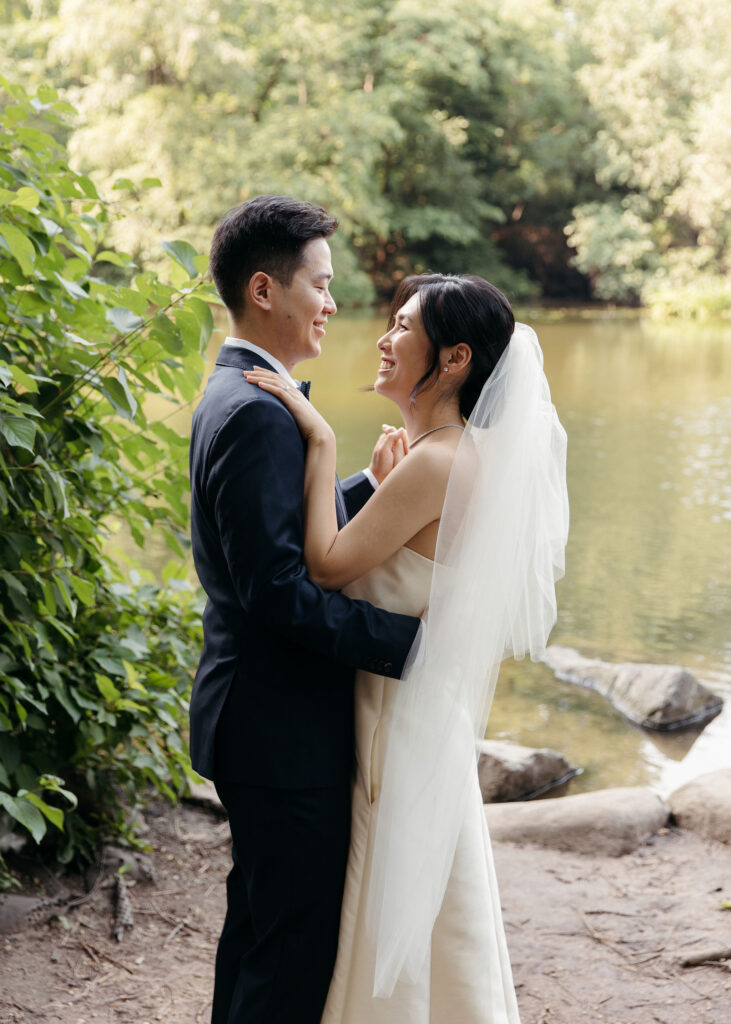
x=304, y=386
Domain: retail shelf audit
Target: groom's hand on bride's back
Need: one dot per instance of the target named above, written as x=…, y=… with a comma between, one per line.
x=390, y=448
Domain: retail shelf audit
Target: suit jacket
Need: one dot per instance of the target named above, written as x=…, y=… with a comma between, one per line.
x=272, y=700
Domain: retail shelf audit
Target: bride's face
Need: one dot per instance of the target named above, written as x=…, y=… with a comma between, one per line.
x=405, y=353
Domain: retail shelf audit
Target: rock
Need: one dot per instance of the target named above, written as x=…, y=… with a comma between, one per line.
x=609, y=822
x=653, y=696
x=704, y=805
x=204, y=793
x=133, y=863
x=15, y=910
x=9, y=838
x=18, y=911
x=508, y=771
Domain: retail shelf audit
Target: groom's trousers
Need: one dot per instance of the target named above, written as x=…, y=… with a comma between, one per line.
x=277, y=949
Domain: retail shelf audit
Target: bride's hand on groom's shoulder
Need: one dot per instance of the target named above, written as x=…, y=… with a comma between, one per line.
x=313, y=427
x=390, y=448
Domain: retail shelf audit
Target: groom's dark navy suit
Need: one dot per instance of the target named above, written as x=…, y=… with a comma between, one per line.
x=272, y=704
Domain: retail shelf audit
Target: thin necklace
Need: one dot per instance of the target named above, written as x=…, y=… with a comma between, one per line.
x=443, y=427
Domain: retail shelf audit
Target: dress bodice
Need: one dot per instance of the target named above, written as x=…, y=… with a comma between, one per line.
x=400, y=584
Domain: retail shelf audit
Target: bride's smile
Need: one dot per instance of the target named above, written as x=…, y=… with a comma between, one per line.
x=404, y=353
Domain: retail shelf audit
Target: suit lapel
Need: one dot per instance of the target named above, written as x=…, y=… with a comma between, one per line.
x=245, y=359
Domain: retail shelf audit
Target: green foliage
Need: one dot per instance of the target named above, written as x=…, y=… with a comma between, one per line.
x=425, y=130
x=657, y=76
x=443, y=139
x=616, y=247
x=94, y=663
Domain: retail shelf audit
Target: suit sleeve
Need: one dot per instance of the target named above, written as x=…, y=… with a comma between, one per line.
x=255, y=486
x=357, y=489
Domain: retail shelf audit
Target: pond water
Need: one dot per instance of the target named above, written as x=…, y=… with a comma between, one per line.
x=647, y=409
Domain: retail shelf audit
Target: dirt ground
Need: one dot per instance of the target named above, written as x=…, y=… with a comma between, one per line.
x=592, y=939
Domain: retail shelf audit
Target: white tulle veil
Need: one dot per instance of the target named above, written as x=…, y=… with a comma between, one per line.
x=500, y=550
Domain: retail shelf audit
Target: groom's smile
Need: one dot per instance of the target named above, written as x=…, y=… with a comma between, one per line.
x=301, y=309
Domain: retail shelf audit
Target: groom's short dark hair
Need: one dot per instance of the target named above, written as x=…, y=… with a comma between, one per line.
x=267, y=233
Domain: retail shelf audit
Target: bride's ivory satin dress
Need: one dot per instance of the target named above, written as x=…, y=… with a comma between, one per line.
x=468, y=979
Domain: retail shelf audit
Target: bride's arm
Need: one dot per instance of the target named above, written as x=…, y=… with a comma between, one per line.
x=410, y=498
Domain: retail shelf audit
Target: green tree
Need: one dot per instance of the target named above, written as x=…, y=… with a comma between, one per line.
x=661, y=155
x=423, y=129
x=95, y=663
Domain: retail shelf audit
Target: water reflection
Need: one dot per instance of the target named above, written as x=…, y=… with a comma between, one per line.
x=648, y=414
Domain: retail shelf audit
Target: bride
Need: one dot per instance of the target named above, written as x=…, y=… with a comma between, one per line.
x=468, y=531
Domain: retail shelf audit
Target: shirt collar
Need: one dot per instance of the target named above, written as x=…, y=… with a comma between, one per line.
x=272, y=360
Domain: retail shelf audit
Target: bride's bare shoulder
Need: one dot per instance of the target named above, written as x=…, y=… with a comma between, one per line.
x=425, y=466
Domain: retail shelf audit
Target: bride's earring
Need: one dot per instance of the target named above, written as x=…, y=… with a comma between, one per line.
x=446, y=369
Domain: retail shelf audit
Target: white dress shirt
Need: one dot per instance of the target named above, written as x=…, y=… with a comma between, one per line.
x=258, y=351
x=281, y=369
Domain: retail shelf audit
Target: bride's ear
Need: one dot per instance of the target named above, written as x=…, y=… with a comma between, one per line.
x=260, y=290
x=459, y=358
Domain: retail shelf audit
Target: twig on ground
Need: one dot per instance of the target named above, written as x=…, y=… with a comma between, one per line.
x=616, y=913
x=109, y=959
x=600, y=938
x=125, y=996
x=561, y=985
x=90, y=952
x=708, y=955
x=174, y=932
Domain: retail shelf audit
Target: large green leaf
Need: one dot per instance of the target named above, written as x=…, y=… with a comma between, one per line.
x=25, y=814
x=184, y=254
x=53, y=814
x=19, y=246
x=20, y=433
x=24, y=379
x=120, y=396
x=124, y=320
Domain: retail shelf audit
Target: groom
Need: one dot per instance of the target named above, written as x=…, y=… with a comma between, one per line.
x=272, y=704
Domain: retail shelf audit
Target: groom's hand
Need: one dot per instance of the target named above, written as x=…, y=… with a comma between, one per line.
x=390, y=449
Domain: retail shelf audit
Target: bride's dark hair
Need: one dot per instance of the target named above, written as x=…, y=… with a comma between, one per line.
x=459, y=308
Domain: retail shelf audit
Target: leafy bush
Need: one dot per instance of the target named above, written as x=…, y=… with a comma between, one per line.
x=94, y=664
x=689, y=286
x=615, y=247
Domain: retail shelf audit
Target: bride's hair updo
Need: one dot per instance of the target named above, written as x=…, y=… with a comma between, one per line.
x=456, y=309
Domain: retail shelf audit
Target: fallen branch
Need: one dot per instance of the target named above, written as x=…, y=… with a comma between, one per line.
x=696, y=959
x=123, y=910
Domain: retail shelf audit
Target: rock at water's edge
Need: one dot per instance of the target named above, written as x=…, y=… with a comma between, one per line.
x=704, y=805
x=660, y=697
x=608, y=822
x=508, y=771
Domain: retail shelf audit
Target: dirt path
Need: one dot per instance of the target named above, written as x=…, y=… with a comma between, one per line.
x=592, y=939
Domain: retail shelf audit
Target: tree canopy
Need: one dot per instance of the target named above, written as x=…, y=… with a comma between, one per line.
x=454, y=137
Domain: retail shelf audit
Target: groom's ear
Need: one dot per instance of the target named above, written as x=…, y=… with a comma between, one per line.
x=260, y=290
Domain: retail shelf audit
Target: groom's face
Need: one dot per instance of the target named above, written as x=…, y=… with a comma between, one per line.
x=301, y=309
